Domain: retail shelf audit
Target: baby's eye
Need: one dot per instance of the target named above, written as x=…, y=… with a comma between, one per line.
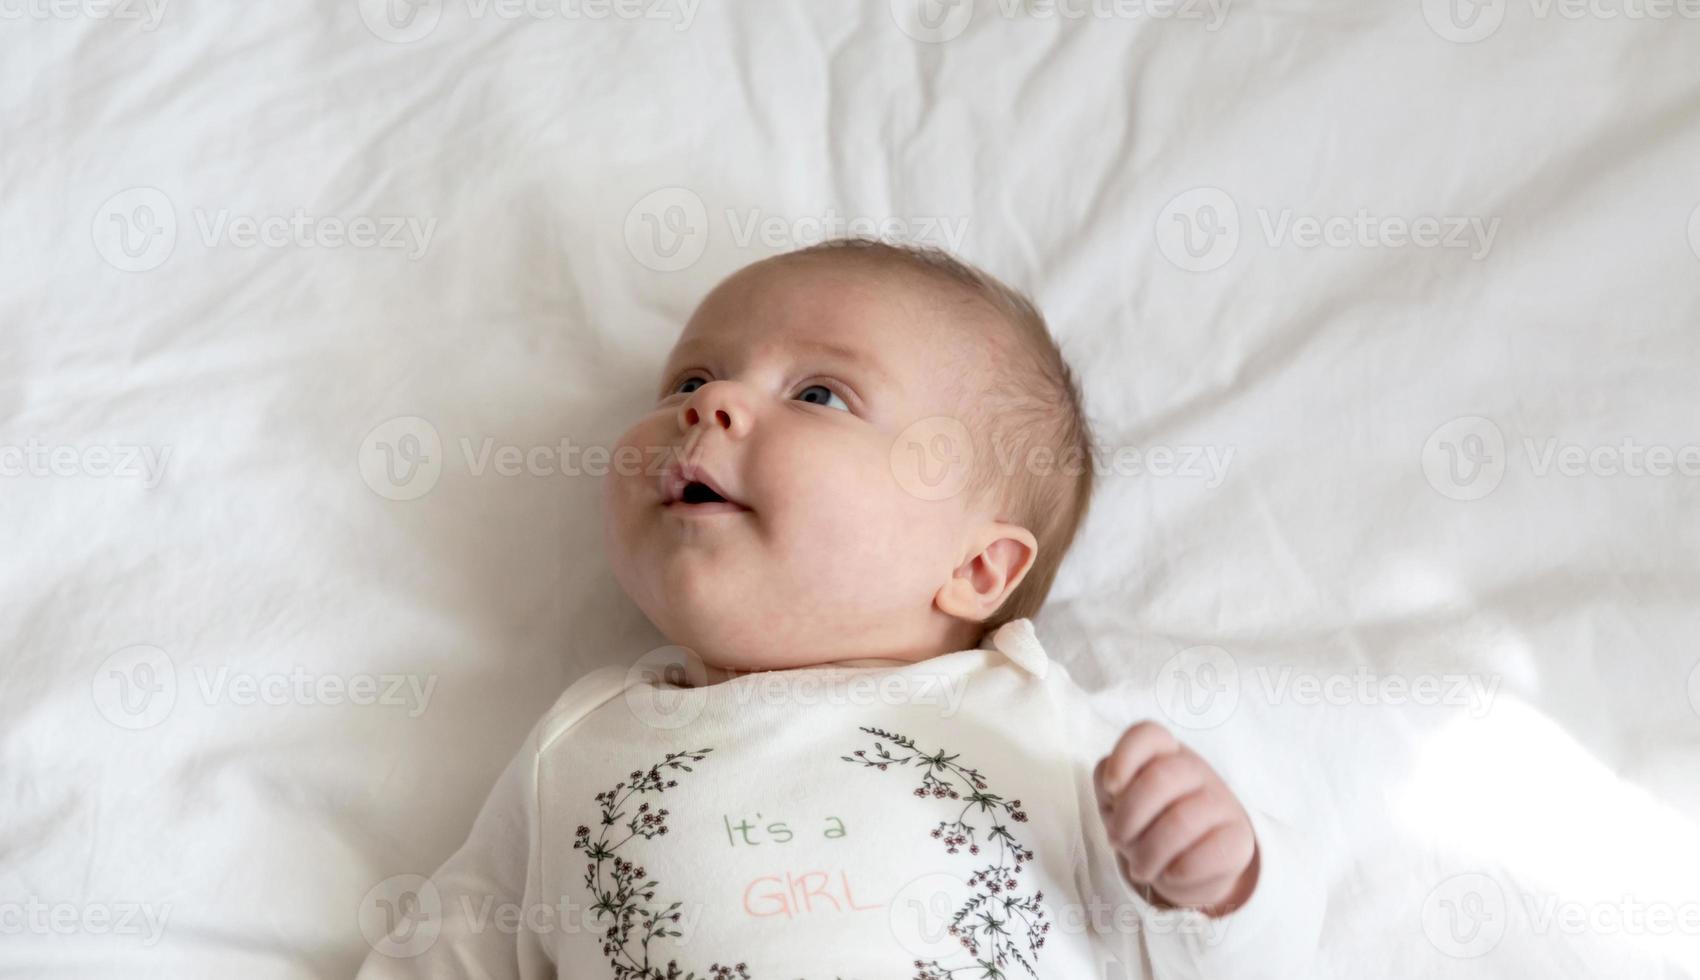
x=688, y=385
x=822, y=395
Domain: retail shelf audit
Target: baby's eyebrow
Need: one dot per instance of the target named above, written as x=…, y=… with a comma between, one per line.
x=825, y=348
x=849, y=355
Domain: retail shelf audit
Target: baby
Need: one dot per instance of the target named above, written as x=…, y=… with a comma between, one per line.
x=857, y=762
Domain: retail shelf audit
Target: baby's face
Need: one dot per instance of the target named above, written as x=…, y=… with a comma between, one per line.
x=779, y=534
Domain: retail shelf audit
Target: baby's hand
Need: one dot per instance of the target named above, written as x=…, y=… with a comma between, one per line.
x=1176, y=827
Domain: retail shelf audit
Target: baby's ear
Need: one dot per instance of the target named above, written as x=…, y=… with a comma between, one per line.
x=996, y=559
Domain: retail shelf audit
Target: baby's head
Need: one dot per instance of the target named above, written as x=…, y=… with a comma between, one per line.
x=817, y=502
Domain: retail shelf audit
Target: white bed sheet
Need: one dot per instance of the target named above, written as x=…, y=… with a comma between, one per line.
x=575, y=183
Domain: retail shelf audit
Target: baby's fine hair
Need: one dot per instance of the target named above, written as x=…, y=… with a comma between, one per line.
x=1032, y=439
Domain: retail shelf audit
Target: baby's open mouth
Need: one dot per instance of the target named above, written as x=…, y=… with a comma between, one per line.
x=701, y=493
x=691, y=489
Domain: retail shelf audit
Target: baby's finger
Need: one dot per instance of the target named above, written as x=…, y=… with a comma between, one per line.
x=1180, y=826
x=1106, y=802
x=1137, y=746
x=1195, y=894
x=1221, y=853
x=1164, y=780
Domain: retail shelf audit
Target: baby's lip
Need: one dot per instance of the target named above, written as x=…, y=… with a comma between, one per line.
x=677, y=477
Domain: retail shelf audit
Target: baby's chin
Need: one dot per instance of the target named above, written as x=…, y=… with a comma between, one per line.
x=733, y=647
x=736, y=616
x=723, y=669
x=741, y=637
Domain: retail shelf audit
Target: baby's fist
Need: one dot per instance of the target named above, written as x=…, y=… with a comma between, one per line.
x=1176, y=827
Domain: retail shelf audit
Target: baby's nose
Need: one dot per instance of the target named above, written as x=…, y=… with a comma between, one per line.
x=719, y=401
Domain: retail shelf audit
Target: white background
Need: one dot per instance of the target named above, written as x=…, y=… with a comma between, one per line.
x=197, y=717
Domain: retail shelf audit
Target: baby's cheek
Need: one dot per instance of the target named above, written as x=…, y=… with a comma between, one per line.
x=642, y=451
x=820, y=498
x=880, y=531
x=842, y=506
x=633, y=477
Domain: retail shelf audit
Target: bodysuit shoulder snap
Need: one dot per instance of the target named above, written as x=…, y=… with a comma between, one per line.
x=1017, y=641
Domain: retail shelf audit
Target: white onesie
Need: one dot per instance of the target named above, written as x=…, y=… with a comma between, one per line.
x=921, y=821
